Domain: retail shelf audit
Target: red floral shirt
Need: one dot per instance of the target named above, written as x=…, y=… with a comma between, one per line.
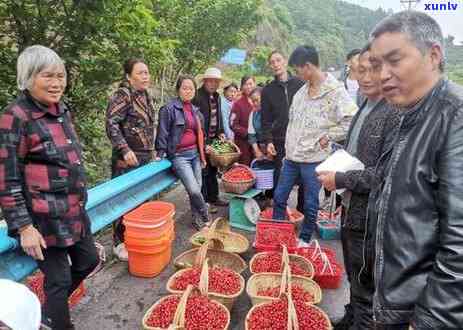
x=42, y=178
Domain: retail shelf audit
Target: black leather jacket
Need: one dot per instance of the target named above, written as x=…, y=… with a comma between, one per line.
x=374, y=135
x=419, y=212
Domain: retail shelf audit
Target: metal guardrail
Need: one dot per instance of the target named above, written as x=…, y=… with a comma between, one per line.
x=106, y=203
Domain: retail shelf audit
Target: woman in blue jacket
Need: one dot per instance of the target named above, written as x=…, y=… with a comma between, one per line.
x=180, y=138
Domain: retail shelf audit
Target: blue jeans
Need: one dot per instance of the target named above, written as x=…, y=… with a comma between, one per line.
x=187, y=167
x=290, y=173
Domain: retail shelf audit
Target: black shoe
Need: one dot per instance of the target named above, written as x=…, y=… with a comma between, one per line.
x=220, y=202
x=198, y=223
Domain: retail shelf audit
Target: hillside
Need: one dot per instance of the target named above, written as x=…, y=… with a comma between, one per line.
x=334, y=27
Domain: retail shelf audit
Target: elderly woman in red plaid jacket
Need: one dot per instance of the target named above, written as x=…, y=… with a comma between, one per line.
x=42, y=182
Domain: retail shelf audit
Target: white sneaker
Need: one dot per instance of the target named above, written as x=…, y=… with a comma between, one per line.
x=302, y=244
x=121, y=252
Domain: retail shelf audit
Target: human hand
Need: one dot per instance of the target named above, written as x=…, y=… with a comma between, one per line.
x=131, y=159
x=32, y=242
x=324, y=142
x=328, y=180
x=271, y=149
x=203, y=164
x=258, y=153
x=209, y=149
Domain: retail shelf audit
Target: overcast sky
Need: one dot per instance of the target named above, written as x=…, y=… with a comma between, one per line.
x=451, y=21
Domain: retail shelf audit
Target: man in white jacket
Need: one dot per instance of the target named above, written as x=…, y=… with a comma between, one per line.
x=320, y=113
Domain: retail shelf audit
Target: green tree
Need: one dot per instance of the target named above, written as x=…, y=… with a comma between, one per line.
x=95, y=37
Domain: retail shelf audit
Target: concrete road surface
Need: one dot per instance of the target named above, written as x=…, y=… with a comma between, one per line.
x=117, y=300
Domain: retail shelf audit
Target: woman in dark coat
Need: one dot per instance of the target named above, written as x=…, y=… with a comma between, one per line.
x=239, y=119
x=130, y=127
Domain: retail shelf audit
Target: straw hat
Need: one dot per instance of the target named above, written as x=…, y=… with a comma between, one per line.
x=212, y=73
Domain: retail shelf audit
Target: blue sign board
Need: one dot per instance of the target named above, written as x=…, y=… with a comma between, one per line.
x=234, y=56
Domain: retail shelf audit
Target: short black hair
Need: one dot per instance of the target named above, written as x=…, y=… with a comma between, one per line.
x=232, y=84
x=129, y=65
x=181, y=79
x=256, y=90
x=353, y=53
x=273, y=52
x=365, y=49
x=246, y=78
x=303, y=55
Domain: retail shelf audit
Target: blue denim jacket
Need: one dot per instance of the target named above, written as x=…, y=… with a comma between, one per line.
x=171, y=126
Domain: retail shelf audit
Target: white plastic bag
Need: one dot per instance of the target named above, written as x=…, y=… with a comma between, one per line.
x=19, y=307
x=340, y=161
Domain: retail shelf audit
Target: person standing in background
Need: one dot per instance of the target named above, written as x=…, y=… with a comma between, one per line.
x=316, y=118
x=130, y=128
x=239, y=119
x=208, y=101
x=180, y=138
x=227, y=99
x=350, y=78
x=276, y=100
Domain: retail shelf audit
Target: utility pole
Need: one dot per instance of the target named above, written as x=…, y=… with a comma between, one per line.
x=409, y=4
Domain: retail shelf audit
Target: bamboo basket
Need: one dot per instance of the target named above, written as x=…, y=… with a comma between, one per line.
x=179, y=317
x=301, y=261
x=226, y=300
x=265, y=280
x=216, y=257
x=220, y=230
x=293, y=323
x=225, y=160
x=239, y=187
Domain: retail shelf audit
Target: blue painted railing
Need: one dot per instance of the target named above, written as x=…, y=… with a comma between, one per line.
x=106, y=203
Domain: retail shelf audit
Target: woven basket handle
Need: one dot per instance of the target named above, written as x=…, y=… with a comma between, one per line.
x=204, y=278
x=326, y=264
x=202, y=251
x=235, y=146
x=293, y=323
x=284, y=256
x=285, y=286
x=222, y=224
x=211, y=229
x=179, y=316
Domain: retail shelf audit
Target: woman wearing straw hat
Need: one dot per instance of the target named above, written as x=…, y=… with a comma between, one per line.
x=208, y=100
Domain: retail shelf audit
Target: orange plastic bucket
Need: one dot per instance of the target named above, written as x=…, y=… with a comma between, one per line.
x=149, y=261
x=149, y=234
x=151, y=213
x=148, y=237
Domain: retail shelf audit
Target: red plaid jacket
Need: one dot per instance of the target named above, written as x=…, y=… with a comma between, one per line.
x=42, y=179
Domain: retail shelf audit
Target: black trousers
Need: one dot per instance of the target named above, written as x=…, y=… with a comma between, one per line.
x=61, y=279
x=361, y=291
x=210, y=187
x=281, y=152
x=116, y=170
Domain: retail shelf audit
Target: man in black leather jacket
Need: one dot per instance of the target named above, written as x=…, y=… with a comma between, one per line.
x=418, y=206
x=367, y=136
